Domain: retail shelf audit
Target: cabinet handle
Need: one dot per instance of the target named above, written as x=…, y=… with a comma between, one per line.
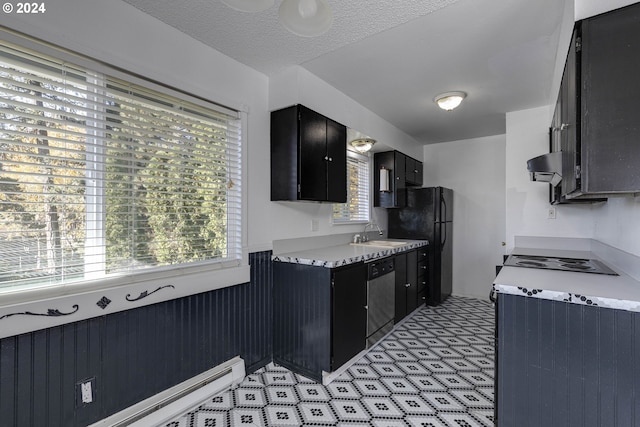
x=366, y=307
x=424, y=297
x=330, y=159
x=326, y=157
x=563, y=126
x=406, y=285
x=415, y=171
x=424, y=283
x=424, y=267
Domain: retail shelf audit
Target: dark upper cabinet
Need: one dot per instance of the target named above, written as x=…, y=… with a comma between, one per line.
x=563, y=132
x=308, y=156
x=337, y=162
x=404, y=172
x=599, y=129
x=413, y=171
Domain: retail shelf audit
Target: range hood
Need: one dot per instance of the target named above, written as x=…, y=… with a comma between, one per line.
x=546, y=168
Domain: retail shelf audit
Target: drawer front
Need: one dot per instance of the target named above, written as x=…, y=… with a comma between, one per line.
x=422, y=297
x=422, y=268
x=422, y=284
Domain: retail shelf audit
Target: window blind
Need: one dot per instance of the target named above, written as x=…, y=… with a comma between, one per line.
x=99, y=176
x=356, y=209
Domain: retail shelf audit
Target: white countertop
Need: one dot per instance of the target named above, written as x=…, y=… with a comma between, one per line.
x=336, y=256
x=619, y=292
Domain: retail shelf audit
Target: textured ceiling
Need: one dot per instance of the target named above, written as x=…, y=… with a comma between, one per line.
x=260, y=41
x=394, y=56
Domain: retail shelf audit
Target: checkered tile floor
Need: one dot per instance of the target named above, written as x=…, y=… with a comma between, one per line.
x=435, y=369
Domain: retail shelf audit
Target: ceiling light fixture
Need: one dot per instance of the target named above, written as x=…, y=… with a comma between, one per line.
x=249, y=5
x=306, y=18
x=362, y=145
x=449, y=100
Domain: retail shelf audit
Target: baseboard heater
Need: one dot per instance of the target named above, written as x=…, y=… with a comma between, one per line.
x=170, y=403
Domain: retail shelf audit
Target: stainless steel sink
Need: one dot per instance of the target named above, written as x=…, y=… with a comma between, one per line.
x=381, y=243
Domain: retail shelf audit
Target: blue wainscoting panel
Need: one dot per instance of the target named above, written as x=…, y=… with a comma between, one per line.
x=565, y=364
x=134, y=354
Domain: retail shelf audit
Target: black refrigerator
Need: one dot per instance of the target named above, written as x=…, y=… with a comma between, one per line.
x=429, y=216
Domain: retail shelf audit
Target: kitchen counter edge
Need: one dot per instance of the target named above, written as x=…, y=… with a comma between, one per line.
x=341, y=255
x=620, y=292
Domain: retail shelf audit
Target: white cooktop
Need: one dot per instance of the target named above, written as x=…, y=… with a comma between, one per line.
x=619, y=292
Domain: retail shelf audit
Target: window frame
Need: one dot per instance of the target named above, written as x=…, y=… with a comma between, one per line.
x=41, y=306
x=360, y=158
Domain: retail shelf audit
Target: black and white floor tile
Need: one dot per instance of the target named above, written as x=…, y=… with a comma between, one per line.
x=434, y=370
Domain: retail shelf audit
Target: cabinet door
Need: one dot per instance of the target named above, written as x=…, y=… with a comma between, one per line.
x=312, y=165
x=419, y=173
x=401, y=287
x=423, y=265
x=610, y=131
x=410, y=170
x=349, y=315
x=400, y=183
x=413, y=172
x=412, y=280
x=336, y=162
x=567, y=128
x=284, y=154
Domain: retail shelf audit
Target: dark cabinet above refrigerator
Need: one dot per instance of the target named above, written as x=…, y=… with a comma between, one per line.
x=596, y=124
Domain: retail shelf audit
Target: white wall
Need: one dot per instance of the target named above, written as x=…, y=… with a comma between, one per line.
x=474, y=169
x=617, y=223
x=527, y=202
x=295, y=85
x=587, y=8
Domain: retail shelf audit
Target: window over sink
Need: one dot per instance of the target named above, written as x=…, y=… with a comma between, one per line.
x=357, y=207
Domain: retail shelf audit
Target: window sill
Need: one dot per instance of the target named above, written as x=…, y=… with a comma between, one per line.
x=24, y=311
x=358, y=222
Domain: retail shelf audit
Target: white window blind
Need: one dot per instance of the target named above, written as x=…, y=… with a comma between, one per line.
x=357, y=207
x=99, y=176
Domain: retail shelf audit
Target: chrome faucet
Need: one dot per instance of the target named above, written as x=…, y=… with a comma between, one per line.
x=365, y=238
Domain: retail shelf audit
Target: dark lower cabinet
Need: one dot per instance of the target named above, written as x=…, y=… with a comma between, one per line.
x=565, y=364
x=423, y=268
x=319, y=316
x=349, y=314
x=406, y=295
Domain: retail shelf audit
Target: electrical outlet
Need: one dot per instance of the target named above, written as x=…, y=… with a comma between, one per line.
x=85, y=391
x=551, y=214
x=315, y=224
